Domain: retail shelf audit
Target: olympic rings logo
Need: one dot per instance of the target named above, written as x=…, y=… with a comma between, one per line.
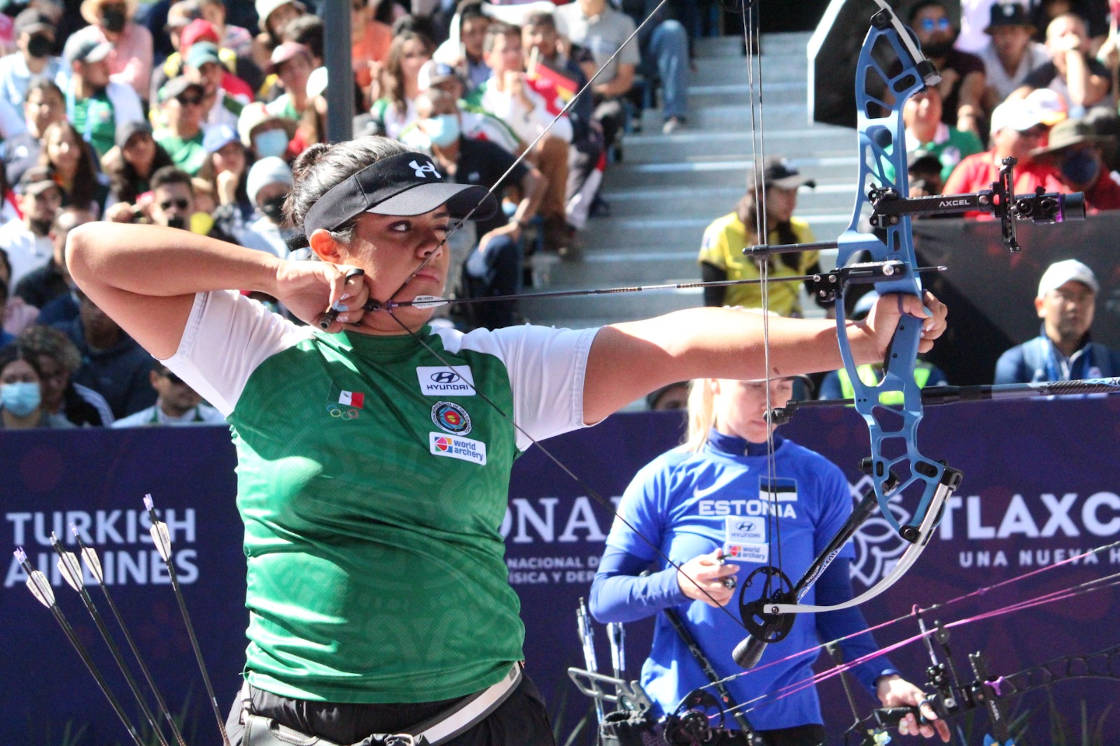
x=345, y=413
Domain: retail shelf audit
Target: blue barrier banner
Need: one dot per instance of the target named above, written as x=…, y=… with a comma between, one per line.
x=1042, y=483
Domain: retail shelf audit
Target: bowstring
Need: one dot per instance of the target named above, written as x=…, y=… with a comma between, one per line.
x=756, y=182
x=1061, y=594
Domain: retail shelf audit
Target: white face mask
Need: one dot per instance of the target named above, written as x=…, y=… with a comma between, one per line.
x=272, y=143
x=442, y=129
x=20, y=398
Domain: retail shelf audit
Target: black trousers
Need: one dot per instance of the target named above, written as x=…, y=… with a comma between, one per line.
x=521, y=720
x=800, y=735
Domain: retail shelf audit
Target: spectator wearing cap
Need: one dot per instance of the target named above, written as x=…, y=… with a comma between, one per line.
x=721, y=249
x=176, y=404
x=837, y=384
x=927, y=133
x=491, y=249
x=233, y=67
x=1081, y=80
x=269, y=182
x=181, y=109
x=1074, y=150
x=132, y=162
x=475, y=124
x=962, y=74
x=272, y=17
x=1066, y=300
x=226, y=168
x=369, y=43
x=49, y=287
x=1017, y=129
x=1010, y=54
x=266, y=134
x=204, y=67
x=95, y=104
x=43, y=105
x=292, y=63
x=26, y=238
x=130, y=45
x=35, y=41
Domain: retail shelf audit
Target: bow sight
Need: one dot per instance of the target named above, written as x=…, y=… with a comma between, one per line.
x=1041, y=207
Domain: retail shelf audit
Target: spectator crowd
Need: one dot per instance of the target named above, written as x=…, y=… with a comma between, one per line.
x=188, y=114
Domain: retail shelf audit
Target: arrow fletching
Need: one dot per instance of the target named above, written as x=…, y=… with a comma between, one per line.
x=71, y=570
x=93, y=562
x=161, y=537
x=40, y=588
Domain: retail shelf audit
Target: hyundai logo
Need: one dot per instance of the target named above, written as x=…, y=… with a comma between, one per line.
x=445, y=376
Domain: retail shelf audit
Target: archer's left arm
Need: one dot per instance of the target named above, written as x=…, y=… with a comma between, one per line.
x=628, y=360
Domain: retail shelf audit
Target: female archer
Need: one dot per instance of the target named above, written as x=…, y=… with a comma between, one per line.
x=374, y=455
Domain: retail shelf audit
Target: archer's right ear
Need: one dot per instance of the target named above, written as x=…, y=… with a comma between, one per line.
x=324, y=245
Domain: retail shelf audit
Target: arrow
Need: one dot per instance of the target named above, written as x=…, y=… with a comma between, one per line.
x=71, y=571
x=161, y=537
x=40, y=588
x=93, y=563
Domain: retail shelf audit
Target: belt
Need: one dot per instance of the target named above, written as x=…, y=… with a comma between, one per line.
x=265, y=731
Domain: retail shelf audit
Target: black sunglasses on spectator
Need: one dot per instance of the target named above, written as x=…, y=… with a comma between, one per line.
x=182, y=204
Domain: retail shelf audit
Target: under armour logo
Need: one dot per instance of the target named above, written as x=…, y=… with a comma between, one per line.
x=426, y=168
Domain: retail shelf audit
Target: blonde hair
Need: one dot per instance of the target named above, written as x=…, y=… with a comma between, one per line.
x=701, y=413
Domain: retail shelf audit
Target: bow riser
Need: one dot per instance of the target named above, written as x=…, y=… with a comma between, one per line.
x=881, y=143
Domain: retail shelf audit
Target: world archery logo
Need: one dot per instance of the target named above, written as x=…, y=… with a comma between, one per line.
x=878, y=546
x=442, y=443
x=451, y=417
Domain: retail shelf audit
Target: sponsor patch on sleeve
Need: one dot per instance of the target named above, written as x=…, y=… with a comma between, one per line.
x=445, y=380
x=454, y=446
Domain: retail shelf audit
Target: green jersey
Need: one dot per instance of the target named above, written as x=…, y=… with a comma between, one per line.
x=372, y=480
x=95, y=119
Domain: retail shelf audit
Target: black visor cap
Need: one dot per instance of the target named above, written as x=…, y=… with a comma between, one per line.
x=404, y=184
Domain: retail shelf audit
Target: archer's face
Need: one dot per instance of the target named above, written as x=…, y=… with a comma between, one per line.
x=390, y=248
x=740, y=406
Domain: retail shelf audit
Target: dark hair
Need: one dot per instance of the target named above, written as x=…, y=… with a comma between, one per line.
x=322, y=166
x=499, y=29
x=308, y=31
x=921, y=5
x=470, y=9
x=747, y=212
x=83, y=190
x=392, y=77
x=171, y=175
x=124, y=182
x=44, y=84
x=12, y=352
x=210, y=174
x=39, y=339
x=6, y=262
x=541, y=19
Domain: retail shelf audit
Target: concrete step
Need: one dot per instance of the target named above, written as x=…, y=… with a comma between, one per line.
x=826, y=198
x=677, y=233
x=617, y=307
x=719, y=173
x=695, y=144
